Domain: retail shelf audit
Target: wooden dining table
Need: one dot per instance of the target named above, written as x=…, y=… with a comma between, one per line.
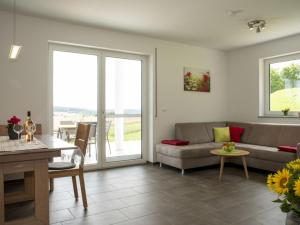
x=32, y=160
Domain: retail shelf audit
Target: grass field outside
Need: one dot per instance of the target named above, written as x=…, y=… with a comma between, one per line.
x=285, y=98
x=132, y=130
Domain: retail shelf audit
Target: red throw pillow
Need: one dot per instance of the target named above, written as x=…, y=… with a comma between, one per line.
x=291, y=149
x=236, y=133
x=175, y=142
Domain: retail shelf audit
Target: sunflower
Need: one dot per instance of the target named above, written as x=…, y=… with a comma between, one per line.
x=297, y=187
x=270, y=182
x=280, y=180
x=295, y=165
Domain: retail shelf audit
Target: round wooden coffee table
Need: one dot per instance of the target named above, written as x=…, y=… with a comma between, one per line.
x=235, y=153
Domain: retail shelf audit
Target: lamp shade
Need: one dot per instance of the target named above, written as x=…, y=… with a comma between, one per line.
x=14, y=51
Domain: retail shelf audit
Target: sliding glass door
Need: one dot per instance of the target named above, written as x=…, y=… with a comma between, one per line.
x=87, y=81
x=123, y=109
x=75, y=98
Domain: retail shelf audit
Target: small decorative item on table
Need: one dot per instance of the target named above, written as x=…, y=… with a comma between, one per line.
x=228, y=147
x=29, y=127
x=285, y=111
x=10, y=127
x=286, y=183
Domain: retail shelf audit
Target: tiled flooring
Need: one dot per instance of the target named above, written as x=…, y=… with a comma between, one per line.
x=149, y=195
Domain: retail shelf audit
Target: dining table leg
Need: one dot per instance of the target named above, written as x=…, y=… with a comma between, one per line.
x=41, y=191
x=2, y=211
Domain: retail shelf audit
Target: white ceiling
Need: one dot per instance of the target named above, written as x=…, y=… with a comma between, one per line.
x=200, y=22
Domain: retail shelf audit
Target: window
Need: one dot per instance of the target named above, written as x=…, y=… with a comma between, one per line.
x=282, y=84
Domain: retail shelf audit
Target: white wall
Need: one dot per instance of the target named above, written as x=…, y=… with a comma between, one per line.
x=243, y=74
x=23, y=84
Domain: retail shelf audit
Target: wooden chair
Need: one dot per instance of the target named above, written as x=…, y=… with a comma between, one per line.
x=75, y=167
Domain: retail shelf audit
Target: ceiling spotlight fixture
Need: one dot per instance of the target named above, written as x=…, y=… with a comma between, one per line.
x=258, y=30
x=259, y=25
x=250, y=26
x=14, y=49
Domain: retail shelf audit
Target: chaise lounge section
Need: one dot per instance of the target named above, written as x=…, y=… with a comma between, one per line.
x=261, y=140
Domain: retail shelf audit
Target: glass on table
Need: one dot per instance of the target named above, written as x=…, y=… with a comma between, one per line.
x=18, y=129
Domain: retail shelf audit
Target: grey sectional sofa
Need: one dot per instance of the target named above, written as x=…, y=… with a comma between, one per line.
x=261, y=140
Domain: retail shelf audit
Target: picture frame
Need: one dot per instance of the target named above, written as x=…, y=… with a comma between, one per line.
x=196, y=79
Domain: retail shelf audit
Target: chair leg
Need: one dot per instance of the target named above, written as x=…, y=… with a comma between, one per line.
x=2, y=204
x=82, y=186
x=108, y=144
x=90, y=154
x=75, y=187
x=68, y=136
x=51, y=183
x=96, y=150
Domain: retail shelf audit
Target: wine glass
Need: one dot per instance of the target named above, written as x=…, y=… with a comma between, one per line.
x=30, y=129
x=18, y=129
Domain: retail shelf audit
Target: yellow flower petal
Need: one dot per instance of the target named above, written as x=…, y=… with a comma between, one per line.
x=270, y=182
x=295, y=164
x=280, y=180
x=297, y=187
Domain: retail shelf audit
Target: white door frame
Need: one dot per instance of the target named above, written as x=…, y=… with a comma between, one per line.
x=101, y=54
x=144, y=119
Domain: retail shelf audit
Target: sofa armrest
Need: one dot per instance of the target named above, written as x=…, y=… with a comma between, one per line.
x=298, y=150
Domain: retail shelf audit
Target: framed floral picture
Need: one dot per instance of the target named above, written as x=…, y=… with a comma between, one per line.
x=196, y=79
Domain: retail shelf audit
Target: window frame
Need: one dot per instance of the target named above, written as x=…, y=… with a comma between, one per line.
x=266, y=81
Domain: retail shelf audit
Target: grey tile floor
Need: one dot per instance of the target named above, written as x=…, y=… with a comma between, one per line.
x=149, y=195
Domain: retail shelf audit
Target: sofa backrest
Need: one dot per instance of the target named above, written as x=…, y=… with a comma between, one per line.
x=255, y=133
x=269, y=134
x=289, y=135
x=196, y=133
x=264, y=134
x=193, y=132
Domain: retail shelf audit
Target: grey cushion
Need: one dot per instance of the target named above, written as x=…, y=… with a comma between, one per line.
x=188, y=151
x=267, y=153
x=264, y=134
x=195, y=133
x=289, y=135
x=61, y=165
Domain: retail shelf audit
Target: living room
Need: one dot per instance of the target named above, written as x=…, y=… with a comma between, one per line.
x=230, y=49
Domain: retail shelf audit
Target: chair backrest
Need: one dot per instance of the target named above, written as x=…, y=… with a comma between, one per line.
x=93, y=130
x=82, y=136
x=4, y=132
